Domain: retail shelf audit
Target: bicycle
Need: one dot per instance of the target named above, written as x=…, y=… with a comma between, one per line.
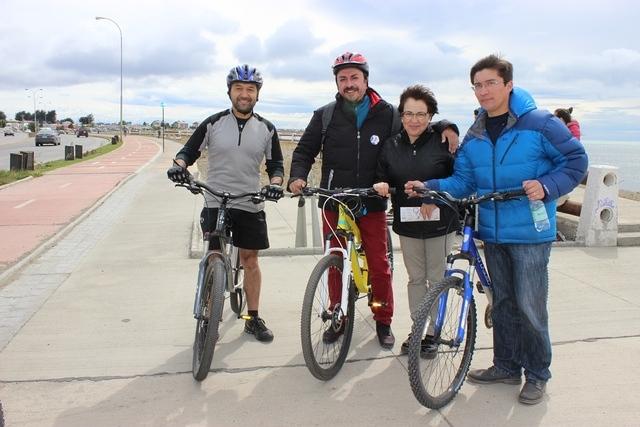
x=346, y=262
x=220, y=273
x=446, y=318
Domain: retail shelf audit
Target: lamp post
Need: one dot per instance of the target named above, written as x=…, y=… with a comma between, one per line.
x=98, y=18
x=162, y=124
x=35, y=119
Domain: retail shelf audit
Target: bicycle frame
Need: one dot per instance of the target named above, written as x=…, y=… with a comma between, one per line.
x=354, y=260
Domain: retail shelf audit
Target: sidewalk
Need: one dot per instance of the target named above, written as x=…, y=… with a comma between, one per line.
x=108, y=340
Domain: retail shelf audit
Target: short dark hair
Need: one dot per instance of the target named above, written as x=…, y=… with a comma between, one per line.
x=495, y=62
x=564, y=114
x=419, y=93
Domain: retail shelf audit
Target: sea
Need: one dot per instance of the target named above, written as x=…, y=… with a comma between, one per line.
x=623, y=154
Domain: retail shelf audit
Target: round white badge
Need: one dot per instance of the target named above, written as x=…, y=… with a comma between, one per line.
x=374, y=139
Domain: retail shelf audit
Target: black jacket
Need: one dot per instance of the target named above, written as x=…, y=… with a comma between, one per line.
x=399, y=162
x=349, y=156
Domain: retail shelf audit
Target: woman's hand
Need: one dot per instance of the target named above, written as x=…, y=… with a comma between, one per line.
x=382, y=188
x=427, y=209
x=411, y=185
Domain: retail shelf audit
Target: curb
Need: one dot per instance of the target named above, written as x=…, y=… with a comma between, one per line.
x=2, y=187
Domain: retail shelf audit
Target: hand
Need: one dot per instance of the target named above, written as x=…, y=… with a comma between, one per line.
x=534, y=189
x=409, y=188
x=296, y=186
x=179, y=174
x=449, y=135
x=382, y=188
x=272, y=192
x=427, y=209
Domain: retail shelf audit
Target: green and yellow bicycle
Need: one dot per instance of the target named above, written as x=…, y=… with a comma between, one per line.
x=327, y=327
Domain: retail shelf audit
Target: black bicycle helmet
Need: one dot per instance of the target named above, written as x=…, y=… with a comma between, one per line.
x=348, y=59
x=245, y=74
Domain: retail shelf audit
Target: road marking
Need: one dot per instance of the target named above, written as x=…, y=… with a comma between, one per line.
x=95, y=163
x=65, y=185
x=101, y=167
x=22, y=205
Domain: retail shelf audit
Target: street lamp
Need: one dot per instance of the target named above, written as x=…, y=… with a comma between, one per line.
x=162, y=105
x=35, y=120
x=116, y=24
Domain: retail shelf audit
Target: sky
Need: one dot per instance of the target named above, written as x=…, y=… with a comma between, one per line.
x=570, y=53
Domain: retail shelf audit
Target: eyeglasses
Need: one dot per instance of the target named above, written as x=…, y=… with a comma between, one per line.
x=489, y=84
x=408, y=115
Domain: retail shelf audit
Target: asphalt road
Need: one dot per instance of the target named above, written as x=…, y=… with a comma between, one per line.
x=46, y=153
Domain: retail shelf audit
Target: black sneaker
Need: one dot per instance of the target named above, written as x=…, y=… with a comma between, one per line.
x=331, y=335
x=256, y=327
x=385, y=336
x=428, y=348
x=493, y=375
x=532, y=392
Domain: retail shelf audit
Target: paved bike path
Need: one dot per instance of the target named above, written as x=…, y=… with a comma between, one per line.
x=35, y=210
x=108, y=342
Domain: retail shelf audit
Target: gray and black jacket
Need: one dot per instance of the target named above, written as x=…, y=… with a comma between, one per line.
x=235, y=155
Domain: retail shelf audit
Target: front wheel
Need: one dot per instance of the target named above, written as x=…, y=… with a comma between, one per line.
x=209, y=316
x=325, y=357
x=437, y=375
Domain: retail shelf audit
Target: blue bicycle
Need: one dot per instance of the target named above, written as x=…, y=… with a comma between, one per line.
x=445, y=322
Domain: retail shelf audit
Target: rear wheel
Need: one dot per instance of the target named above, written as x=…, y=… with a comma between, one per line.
x=325, y=359
x=436, y=380
x=210, y=314
x=237, y=297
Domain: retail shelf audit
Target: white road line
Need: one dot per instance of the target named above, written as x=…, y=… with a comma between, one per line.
x=65, y=185
x=101, y=167
x=22, y=205
x=95, y=163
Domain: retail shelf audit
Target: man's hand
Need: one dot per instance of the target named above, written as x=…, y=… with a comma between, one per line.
x=272, y=192
x=382, y=188
x=534, y=189
x=411, y=185
x=178, y=173
x=296, y=186
x=449, y=135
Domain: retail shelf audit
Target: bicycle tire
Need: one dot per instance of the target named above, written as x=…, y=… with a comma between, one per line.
x=206, y=336
x=436, y=381
x=324, y=360
x=390, y=250
x=237, y=296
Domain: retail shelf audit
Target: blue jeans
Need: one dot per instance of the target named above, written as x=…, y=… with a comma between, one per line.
x=520, y=278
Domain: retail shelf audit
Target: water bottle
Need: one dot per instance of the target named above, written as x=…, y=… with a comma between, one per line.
x=539, y=214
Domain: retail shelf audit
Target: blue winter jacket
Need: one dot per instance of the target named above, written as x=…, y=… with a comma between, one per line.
x=533, y=145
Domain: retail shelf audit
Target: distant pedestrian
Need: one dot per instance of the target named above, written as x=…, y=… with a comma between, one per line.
x=565, y=115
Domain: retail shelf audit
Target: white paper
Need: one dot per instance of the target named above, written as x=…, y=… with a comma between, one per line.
x=412, y=214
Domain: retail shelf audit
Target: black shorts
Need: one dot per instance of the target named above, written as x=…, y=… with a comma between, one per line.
x=249, y=229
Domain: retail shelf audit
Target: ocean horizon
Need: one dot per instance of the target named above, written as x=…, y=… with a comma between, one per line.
x=625, y=155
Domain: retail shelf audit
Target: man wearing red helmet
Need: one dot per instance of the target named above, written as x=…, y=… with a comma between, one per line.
x=237, y=140
x=350, y=145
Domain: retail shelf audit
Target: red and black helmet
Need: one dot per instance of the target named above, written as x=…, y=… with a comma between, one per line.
x=348, y=59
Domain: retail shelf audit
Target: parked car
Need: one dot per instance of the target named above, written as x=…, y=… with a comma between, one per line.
x=82, y=132
x=47, y=136
x=8, y=131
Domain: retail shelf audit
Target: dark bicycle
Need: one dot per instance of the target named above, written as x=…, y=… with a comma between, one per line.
x=447, y=315
x=220, y=274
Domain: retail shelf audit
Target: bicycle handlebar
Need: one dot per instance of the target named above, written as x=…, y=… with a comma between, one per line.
x=339, y=192
x=197, y=187
x=472, y=200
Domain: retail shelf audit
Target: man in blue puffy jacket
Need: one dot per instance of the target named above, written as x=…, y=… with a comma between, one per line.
x=514, y=145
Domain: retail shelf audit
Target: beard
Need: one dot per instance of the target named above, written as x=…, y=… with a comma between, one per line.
x=243, y=107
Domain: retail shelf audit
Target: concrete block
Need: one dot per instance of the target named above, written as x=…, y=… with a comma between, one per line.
x=598, y=225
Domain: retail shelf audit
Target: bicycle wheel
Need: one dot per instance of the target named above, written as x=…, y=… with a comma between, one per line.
x=210, y=312
x=237, y=297
x=437, y=379
x=324, y=360
x=390, y=249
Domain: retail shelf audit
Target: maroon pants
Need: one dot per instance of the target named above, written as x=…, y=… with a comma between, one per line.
x=373, y=229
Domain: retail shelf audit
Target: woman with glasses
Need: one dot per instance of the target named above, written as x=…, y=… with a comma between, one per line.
x=416, y=153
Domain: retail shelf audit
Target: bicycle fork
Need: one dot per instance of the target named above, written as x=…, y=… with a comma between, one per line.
x=346, y=279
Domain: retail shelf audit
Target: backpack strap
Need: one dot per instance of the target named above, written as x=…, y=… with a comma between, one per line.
x=327, y=114
x=396, y=124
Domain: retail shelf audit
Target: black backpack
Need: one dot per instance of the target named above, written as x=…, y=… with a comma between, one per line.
x=327, y=114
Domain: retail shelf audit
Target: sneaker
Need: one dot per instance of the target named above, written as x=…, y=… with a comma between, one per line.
x=257, y=327
x=428, y=348
x=331, y=335
x=492, y=375
x=532, y=392
x=385, y=336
